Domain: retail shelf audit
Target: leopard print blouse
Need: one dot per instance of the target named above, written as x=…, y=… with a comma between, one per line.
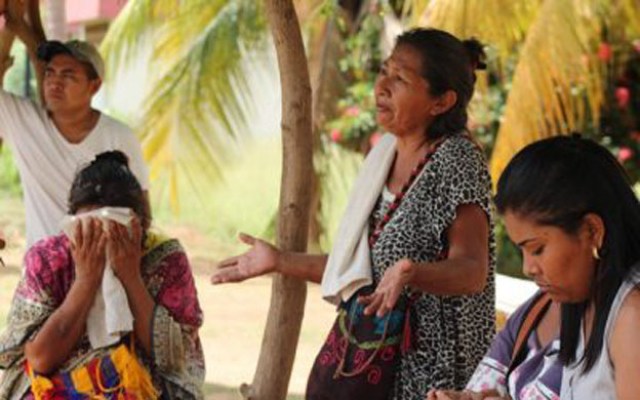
x=451, y=333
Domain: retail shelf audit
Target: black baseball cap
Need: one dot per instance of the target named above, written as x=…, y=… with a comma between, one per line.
x=82, y=51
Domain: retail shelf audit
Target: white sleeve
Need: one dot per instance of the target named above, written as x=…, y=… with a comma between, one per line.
x=15, y=114
x=133, y=149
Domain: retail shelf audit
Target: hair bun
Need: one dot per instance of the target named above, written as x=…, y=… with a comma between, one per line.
x=475, y=51
x=114, y=156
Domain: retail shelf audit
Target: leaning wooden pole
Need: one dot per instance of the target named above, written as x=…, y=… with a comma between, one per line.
x=271, y=380
x=6, y=61
x=22, y=19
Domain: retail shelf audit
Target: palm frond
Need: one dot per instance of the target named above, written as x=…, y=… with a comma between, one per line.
x=558, y=86
x=137, y=19
x=502, y=23
x=198, y=94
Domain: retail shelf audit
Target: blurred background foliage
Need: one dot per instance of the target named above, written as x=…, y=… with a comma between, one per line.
x=554, y=66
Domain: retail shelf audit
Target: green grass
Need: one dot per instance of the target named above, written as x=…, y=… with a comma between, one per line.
x=9, y=179
x=246, y=200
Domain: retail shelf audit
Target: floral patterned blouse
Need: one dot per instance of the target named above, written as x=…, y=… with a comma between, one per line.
x=451, y=333
x=177, y=362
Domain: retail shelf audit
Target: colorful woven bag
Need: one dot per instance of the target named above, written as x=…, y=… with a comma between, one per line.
x=118, y=375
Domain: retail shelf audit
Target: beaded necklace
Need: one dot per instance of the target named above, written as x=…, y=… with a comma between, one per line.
x=375, y=233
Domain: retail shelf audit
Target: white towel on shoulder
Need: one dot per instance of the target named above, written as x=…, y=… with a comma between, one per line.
x=110, y=316
x=349, y=266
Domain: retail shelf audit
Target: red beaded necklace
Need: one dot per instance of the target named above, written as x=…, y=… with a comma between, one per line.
x=375, y=233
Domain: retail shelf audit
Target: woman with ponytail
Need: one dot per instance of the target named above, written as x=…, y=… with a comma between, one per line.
x=569, y=205
x=412, y=267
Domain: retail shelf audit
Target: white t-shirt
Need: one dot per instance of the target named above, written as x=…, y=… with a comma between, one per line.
x=47, y=162
x=600, y=382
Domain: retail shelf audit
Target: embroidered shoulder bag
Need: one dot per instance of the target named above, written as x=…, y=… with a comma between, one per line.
x=361, y=354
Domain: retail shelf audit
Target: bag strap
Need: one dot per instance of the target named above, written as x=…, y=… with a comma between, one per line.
x=533, y=316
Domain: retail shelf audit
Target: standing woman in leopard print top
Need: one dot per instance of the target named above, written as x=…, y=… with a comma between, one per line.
x=419, y=221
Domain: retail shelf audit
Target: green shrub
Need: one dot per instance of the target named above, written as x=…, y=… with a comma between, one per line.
x=9, y=179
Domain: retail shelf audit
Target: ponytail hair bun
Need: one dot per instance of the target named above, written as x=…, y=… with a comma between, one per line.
x=476, y=54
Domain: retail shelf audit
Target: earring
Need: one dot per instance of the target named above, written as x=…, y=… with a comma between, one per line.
x=595, y=252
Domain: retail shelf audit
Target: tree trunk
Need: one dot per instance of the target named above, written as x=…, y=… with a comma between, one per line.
x=6, y=61
x=327, y=82
x=282, y=330
x=23, y=19
x=6, y=41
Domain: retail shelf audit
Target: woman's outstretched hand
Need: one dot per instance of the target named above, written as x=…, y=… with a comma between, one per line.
x=389, y=289
x=260, y=259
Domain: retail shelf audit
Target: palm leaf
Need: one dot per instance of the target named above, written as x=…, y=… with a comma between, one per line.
x=501, y=23
x=198, y=95
x=136, y=20
x=558, y=86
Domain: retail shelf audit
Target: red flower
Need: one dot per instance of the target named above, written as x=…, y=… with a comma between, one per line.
x=622, y=96
x=624, y=154
x=635, y=135
x=336, y=135
x=604, y=51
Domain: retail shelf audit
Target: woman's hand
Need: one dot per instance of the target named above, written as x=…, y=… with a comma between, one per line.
x=451, y=395
x=464, y=395
x=125, y=251
x=260, y=259
x=389, y=289
x=88, y=250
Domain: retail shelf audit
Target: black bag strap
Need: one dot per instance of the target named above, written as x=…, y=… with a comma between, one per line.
x=533, y=316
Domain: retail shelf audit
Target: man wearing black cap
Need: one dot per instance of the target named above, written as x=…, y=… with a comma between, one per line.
x=51, y=143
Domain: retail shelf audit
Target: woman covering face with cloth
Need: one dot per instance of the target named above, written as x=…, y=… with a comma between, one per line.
x=55, y=345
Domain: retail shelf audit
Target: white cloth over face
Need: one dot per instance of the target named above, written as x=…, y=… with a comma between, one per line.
x=349, y=266
x=110, y=316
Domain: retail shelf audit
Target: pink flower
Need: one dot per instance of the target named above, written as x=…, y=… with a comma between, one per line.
x=624, y=154
x=352, y=111
x=604, y=51
x=636, y=45
x=374, y=138
x=622, y=96
x=335, y=135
